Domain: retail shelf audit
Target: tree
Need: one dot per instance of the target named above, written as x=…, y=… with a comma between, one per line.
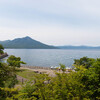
x=63, y=67
x=1, y=49
x=6, y=73
x=14, y=61
x=90, y=77
x=87, y=62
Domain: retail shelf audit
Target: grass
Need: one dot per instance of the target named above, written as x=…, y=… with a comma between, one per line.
x=31, y=76
x=28, y=74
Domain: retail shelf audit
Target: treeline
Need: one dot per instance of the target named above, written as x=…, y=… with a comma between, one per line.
x=83, y=83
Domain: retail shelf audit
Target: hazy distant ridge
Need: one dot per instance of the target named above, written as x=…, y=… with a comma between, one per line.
x=78, y=47
x=29, y=43
x=26, y=42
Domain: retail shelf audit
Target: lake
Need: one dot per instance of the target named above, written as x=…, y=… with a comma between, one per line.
x=51, y=57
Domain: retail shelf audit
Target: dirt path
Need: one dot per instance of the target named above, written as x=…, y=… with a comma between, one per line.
x=21, y=79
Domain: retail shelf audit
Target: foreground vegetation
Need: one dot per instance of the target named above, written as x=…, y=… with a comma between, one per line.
x=1, y=49
x=81, y=84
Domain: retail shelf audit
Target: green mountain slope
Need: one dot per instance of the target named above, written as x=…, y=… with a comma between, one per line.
x=25, y=43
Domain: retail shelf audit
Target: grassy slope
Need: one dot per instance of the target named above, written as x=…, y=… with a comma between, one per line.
x=26, y=73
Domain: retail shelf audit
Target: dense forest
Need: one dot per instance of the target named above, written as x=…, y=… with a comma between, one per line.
x=81, y=83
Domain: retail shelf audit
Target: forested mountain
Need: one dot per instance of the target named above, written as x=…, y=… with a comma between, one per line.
x=29, y=43
x=26, y=42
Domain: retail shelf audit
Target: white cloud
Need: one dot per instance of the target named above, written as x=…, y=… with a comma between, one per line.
x=57, y=6
x=54, y=35
x=53, y=22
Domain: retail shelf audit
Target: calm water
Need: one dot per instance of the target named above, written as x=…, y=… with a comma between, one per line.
x=51, y=57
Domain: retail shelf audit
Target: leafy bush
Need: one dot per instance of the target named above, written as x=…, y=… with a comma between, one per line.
x=1, y=49
x=14, y=61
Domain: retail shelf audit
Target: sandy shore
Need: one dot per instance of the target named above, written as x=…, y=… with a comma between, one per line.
x=49, y=71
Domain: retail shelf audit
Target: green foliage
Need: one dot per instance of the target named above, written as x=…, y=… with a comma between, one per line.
x=1, y=49
x=63, y=67
x=86, y=62
x=5, y=73
x=28, y=90
x=91, y=75
x=14, y=61
x=7, y=93
x=81, y=84
x=7, y=79
x=11, y=82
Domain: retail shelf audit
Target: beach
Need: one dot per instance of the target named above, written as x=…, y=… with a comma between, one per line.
x=47, y=70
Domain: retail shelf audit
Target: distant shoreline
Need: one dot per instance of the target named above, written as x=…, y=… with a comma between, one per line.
x=33, y=48
x=51, y=49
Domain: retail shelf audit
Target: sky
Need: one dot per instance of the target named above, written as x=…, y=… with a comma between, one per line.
x=53, y=22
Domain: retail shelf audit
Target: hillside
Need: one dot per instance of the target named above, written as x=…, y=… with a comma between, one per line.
x=25, y=43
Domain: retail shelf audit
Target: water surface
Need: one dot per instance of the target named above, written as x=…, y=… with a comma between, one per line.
x=51, y=57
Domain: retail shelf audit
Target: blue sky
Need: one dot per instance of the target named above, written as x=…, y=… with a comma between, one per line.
x=54, y=22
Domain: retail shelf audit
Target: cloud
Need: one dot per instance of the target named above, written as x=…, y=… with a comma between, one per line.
x=59, y=7
x=54, y=35
x=51, y=21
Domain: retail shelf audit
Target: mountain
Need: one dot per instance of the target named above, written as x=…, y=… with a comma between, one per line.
x=29, y=43
x=78, y=47
x=25, y=43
